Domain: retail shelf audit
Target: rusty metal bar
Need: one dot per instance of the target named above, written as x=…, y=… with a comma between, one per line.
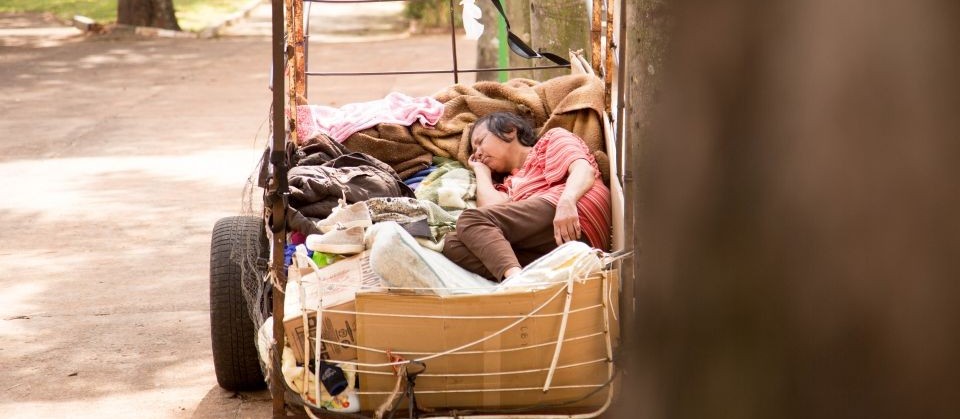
x=453, y=44
x=595, y=41
x=306, y=47
x=610, y=46
x=297, y=93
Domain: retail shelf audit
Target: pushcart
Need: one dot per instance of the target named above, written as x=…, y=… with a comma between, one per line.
x=550, y=352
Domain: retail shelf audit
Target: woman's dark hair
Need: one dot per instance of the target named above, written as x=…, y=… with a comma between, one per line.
x=501, y=123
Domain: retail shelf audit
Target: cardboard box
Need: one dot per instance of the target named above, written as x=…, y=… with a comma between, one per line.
x=337, y=284
x=507, y=368
x=337, y=327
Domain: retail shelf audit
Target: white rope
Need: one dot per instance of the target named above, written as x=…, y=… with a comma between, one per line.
x=481, y=317
x=486, y=351
x=493, y=289
x=484, y=390
x=563, y=330
x=486, y=374
x=316, y=349
x=305, y=385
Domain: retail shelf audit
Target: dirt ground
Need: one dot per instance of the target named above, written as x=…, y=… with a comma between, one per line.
x=117, y=155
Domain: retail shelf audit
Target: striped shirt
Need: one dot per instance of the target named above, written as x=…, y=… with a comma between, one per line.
x=544, y=174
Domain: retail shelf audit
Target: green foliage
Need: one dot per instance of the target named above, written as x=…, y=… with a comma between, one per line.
x=193, y=15
x=99, y=10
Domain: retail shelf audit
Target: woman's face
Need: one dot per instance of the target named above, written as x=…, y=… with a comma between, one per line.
x=491, y=150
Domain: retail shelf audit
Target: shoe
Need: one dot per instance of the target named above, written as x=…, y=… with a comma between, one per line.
x=341, y=241
x=353, y=215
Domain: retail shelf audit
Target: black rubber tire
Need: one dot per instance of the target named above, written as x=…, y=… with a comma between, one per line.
x=232, y=331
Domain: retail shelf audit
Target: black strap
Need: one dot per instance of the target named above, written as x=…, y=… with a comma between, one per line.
x=521, y=48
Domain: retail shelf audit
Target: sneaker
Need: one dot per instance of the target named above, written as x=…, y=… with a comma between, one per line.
x=341, y=241
x=353, y=215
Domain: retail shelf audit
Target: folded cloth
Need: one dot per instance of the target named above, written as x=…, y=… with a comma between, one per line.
x=316, y=190
x=340, y=123
x=425, y=172
x=451, y=186
x=408, y=212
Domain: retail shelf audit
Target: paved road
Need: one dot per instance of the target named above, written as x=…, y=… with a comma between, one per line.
x=117, y=155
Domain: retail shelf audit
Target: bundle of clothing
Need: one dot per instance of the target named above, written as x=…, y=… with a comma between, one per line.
x=324, y=172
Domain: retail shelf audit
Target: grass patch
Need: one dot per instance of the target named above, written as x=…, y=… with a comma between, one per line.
x=193, y=15
x=103, y=11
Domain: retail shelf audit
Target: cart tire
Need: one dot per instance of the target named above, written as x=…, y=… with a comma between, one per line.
x=232, y=331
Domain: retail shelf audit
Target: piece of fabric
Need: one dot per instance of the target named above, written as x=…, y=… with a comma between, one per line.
x=340, y=123
x=355, y=177
x=491, y=239
x=410, y=212
x=425, y=172
x=451, y=186
x=544, y=174
x=317, y=151
x=394, y=145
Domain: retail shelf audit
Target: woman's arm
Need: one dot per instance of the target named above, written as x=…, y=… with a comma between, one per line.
x=566, y=222
x=487, y=194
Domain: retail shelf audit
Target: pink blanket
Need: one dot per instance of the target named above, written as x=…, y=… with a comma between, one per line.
x=340, y=123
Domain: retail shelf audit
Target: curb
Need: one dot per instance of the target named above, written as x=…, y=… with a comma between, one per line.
x=214, y=30
x=211, y=31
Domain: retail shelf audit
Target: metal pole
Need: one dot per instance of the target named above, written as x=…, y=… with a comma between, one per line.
x=277, y=188
x=453, y=44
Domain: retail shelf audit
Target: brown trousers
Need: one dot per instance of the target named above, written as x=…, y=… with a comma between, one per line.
x=492, y=239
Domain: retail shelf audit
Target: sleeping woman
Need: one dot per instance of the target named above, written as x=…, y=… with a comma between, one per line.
x=552, y=193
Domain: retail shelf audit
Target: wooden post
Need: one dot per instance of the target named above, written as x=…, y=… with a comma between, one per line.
x=518, y=12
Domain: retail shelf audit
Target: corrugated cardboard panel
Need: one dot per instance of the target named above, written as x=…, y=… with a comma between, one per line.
x=528, y=345
x=337, y=327
x=337, y=284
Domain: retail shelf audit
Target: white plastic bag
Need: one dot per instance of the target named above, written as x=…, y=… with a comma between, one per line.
x=571, y=258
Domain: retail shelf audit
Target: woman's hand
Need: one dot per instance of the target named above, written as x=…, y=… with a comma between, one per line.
x=487, y=193
x=479, y=168
x=566, y=222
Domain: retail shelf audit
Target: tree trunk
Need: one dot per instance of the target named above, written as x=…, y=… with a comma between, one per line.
x=555, y=26
x=151, y=13
x=558, y=26
x=518, y=12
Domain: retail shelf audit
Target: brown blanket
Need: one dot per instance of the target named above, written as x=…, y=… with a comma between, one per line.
x=575, y=102
x=394, y=145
